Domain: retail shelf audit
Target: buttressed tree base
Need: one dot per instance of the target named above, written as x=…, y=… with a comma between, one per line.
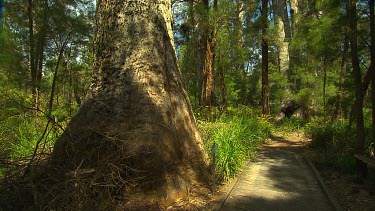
x=135, y=138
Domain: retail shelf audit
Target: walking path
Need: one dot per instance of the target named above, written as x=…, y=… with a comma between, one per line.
x=280, y=179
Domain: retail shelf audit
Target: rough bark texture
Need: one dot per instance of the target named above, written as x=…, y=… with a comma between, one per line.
x=283, y=50
x=284, y=36
x=207, y=69
x=135, y=134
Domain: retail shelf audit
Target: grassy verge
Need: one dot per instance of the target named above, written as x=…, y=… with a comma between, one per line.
x=332, y=144
x=238, y=136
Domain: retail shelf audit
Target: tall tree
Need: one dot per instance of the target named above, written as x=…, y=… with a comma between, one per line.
x=265, y=82
x=359, y=91
x=32, y=68
x=136, y=128
x=209, y=37
x=284, y=36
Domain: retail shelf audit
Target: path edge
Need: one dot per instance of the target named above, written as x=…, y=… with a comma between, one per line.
x=328, y=193
x=229, y=190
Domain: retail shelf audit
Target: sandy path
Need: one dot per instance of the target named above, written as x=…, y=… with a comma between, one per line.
x=280, y=179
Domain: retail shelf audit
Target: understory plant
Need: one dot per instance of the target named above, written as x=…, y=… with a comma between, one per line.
x=238, y=137
x=333, y=143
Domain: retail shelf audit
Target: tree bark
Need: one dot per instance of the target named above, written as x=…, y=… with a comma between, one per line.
x=265, y=83
x=136, y=129
x=283, y=38
x=359, y=92
x=207, y=70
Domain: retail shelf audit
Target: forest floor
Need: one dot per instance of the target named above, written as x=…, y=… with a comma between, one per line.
x=352, y=192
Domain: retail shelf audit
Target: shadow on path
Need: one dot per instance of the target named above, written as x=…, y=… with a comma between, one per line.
x=280, y=179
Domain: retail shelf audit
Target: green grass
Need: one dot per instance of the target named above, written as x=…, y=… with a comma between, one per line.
x=238, y=136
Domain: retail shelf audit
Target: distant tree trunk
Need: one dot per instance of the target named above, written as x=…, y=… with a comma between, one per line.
x=238, y=34
x=32, y=66
x=339, y=113
x=372, y=65
x=136, y=130
x=223, y=90
x=265, y=83
x=61, y=49
x=293, y=11
x=41, y=42
x=284, y=36
x=359, y=93
x=324, y=85
x=207, y=70
x=195, y=48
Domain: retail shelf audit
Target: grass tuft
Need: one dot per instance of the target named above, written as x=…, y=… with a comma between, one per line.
x=238, y=137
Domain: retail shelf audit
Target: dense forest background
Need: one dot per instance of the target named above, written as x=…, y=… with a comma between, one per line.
x=241, y=61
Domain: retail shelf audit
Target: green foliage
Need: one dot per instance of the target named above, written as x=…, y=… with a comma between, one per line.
x=334, y=141
x=290, y=125
x=23, y=128
x=238, y=136
x=331, y=136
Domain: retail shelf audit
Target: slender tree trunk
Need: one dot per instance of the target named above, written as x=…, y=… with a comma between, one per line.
x=339, y=113
x=59, y=58
x=32, y=66
x=265, y=83
x=198, y=21
x=223, y=90
x=207, y=71
x=372, y=65
x=359, y=92
x=136, y=130
x=240, y=64
x=40, y=58
x=324, y=85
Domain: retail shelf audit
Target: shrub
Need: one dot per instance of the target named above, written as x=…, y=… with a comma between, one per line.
x=334, y=141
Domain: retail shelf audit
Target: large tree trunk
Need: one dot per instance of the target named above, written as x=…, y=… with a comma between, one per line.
x=265, y=83
x=136, y=131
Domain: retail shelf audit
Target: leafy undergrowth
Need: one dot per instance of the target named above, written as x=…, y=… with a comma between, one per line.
x=332, y=144
x=332, y=151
